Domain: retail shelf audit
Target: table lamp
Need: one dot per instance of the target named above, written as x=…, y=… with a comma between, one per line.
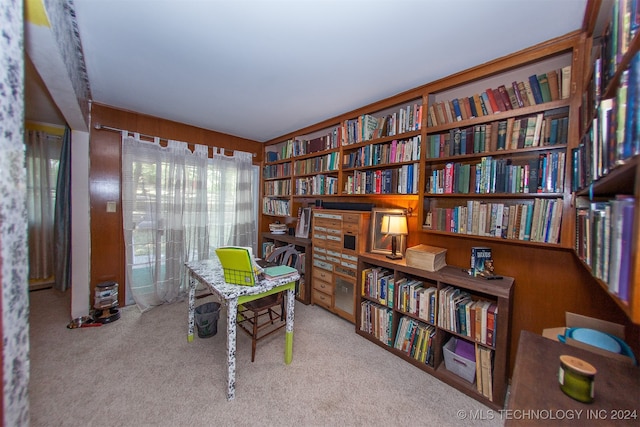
x=394, y=225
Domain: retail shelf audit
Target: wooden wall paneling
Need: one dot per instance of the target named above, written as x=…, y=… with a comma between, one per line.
x=107, y=246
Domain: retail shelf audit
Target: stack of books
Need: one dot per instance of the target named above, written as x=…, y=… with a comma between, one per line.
x=425, y=257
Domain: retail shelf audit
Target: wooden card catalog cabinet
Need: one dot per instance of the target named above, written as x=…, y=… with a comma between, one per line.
x=338, y=236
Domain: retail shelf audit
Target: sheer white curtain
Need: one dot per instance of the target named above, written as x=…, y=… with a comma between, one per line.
x=42, y=159
x=230, y=199
x=177, y=206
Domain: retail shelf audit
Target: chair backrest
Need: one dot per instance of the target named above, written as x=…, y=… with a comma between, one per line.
x=285, y=255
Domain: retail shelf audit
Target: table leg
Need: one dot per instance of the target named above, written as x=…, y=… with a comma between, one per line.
x=232, y=312
x=192, y=306
x=288, y=337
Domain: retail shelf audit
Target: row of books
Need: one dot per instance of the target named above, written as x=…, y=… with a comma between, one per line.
x=396, y=151
x=377, y=321
x=398, y=180
x=281, y=170
x=604, y=241
x=325, y=163
x=542, y=175
x=460, y=313
x=379, y=284
x=542, y=129
x=622, y=26
x=620, y=29
x=419, y=299
x=277, y=207
x=537, y=222
x=484, y=371
x=415, y=339
x=278, y=188
x=537, y=89
x=299, y=146
x=368, y=126
x=413, y=296
x=614, y=132
x=443, y=307
x=317, y=185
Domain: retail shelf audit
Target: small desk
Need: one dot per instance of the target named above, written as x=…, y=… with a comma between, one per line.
x=209, y=273
x=536, y=398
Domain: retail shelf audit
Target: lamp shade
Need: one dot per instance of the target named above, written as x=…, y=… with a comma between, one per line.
x=394, y=224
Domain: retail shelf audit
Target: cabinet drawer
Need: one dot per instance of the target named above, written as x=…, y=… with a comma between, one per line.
x=324, y=287
x=322, y=299
x=351, y=228
x=320, y=275
x=350, y=217
x=327, y=222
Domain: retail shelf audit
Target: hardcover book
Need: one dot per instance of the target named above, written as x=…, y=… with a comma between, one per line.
x=504, y=95
x=545, y=91
x=535, y=88
x=426, y=257
x=499, y=101
x=554, y=85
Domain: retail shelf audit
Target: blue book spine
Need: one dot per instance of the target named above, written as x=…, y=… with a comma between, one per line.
x=535, y=88
x=625, y=254
x=383, y=290
x=485, y=101
x=631, y=121
x=456, y=109
x=554, y=132
x=472, y=105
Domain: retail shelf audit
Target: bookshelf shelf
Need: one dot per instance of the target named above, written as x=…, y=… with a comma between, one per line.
x=381, y=309
x=523, y=111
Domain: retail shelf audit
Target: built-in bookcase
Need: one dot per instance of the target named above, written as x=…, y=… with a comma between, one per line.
x=416, y=315
x=495, y=156
x=605, y=169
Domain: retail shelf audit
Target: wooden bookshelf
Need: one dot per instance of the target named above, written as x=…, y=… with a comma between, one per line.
x=383, y=329
x=568, y=284
x=606, y=160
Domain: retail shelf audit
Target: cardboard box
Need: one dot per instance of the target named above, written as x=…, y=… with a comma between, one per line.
x=573, y=320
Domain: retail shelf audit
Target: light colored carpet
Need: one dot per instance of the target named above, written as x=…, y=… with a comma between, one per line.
x=141, y=371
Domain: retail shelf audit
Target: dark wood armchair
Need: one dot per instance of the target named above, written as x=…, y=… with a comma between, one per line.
x=262, y=317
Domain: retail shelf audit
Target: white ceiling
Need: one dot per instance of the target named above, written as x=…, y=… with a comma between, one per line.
x=261, y=69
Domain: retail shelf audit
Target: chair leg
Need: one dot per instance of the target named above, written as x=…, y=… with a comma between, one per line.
x=254, y=338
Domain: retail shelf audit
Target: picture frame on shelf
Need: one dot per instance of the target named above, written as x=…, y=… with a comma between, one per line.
x=380, y=243
x=304, y=223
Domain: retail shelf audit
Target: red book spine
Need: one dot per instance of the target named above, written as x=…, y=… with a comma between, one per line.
x=448, y=178
x=505, y=97
x=499, y=101
x=493, y=101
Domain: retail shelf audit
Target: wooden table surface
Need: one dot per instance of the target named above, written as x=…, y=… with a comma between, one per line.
x=536, y=397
